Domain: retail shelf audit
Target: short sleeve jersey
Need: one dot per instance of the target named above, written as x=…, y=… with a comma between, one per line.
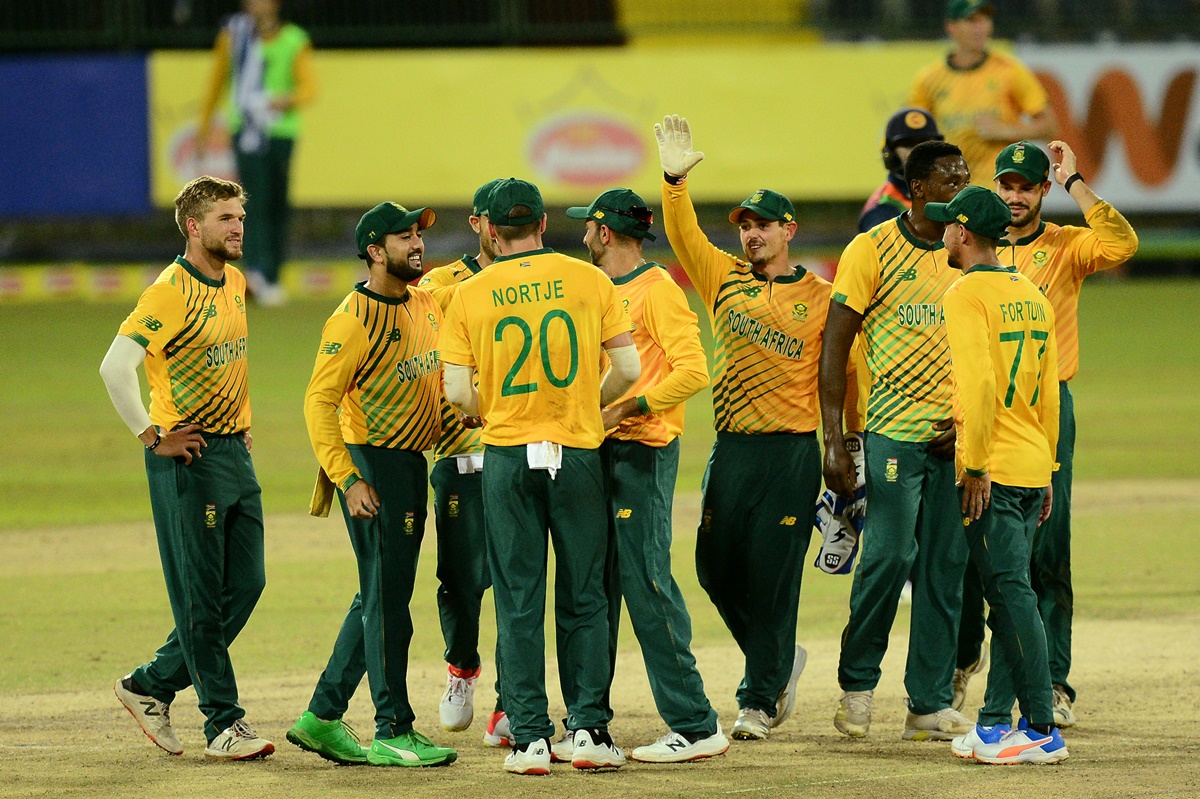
x=1001, y=88
x=896, y=282
x=441, y=282
x=767, y=333
x=1001, y=333
x=378, y=362
x=1057, y=259
x=194, y=331
x=674, y=368
x=532, y=325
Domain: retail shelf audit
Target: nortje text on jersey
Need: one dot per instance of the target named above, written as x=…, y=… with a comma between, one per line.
x=225, y=353
x=418, y=366
x=765, y=336
x=527, y=292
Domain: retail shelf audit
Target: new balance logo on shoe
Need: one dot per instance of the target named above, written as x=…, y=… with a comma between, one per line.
x=151, y=707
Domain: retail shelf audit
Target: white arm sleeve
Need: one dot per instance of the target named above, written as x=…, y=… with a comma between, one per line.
x=460, y=388
x=119, y=372
x=626, y=369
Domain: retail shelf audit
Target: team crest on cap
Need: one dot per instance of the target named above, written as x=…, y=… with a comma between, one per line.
x=1039, y=258
x=756, y=198
x=1018, y=155
x=399, y=207
x=914, y=119
x=799, y=311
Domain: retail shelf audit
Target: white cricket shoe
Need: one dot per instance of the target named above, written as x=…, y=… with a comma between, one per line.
x=563, y=749
x=853, y=716
x=152, y=716
x=498, y=732
x=674, y=748
x=1064, y=712
x=457, y=708
x=944, y=725
x=594, y=749
x=1024, y=745
x=751, y=725
x=787, y=697
x=964, y=745
x=239, y=741
x=532, y=759
x=963, y=676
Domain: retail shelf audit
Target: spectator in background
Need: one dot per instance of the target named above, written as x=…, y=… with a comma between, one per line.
x=907, y=128
x=267, y=66
x=982, y=100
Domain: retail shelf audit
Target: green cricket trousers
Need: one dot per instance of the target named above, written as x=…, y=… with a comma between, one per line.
x=522, y=505
x=209, y=522
x=375, y=635
x=913, y=526
x=1001, y=541
x=757, y=509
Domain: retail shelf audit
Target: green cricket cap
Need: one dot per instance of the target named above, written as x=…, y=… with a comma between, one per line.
x=479, y=205
x=388, y=218
x=767, y=204
x=621, y=210
x=1026, y=159
x=509, y=193
x=961, y=9
x=979, y=210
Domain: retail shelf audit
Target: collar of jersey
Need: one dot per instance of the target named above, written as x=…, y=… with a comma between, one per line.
x=1030, y=239
x=623, y=279
x=472, y=264
x=526, y=254
x=362, y=289
x=982, y=61
x=913, y=240
x=194, y=272
x=990, y=268
x=795, y=278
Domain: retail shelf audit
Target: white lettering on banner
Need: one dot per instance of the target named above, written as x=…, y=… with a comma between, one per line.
x=1132, y=115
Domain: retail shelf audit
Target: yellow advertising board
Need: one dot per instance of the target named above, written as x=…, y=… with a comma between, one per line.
x=429, y=127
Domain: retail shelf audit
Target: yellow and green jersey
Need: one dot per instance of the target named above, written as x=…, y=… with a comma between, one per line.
x=896, y=282
x=1001, y=332
x=194, y=331
x=378, y=363
x=441, y=283
x=1001, y=88
x=767, y=333
x=1057, y=259
x=532, y=325
x=668, y=343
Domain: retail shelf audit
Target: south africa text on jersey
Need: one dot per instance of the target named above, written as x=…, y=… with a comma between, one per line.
x=225, y=353
x=527, y=292
x=765, y=336
x=920, y=314
x=418, y=366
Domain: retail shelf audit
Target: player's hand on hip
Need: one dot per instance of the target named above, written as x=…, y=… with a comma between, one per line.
x=248, y=440
x=675, y=145
x=839, y=471
x=1047, y=505
x=977, y=495
x=1062, y=161
x=942, y=446
x=362, y=501
x=184, y=442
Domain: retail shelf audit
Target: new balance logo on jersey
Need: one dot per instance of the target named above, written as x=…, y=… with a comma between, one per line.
x=908, y=274
x=394, y=335
x=330, y=348
x=789, y=521
x=752, y=291
x=210, y=311
x=624, y=513
x=150, y=323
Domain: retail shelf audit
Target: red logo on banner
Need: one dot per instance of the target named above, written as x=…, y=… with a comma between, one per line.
x=586, y=149
x=1151, y=150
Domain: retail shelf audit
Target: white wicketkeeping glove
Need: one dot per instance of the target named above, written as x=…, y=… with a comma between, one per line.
x=675, y=145
x=841, y=523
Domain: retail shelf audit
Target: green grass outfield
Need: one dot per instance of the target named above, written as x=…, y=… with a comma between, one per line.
x=66, y=458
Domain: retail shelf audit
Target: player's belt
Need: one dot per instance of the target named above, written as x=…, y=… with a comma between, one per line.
x=469, y=464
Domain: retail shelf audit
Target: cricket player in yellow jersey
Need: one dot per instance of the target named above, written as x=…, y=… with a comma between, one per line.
x=641, y=460
x=763, y=476
x=980, y=98
x=889, y=286
x=372, y=408
x=1057, y=259
x=189, y=328
x=1002, y=345
x=534, y=325
x=457, y=478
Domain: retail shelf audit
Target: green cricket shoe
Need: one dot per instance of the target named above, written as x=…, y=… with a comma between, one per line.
x=332, y=740
x=410, y=749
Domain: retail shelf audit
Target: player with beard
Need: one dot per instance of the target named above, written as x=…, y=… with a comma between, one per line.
x=1057, y=259
x=189, y=328
x=764, y=473
x=378, y=363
